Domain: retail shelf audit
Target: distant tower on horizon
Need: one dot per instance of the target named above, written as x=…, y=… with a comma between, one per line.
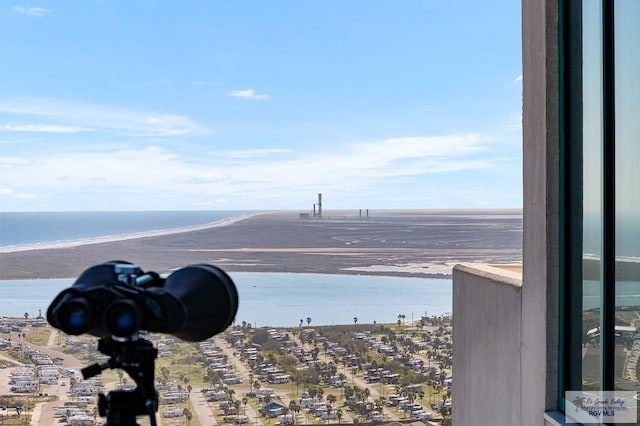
x=317, y=214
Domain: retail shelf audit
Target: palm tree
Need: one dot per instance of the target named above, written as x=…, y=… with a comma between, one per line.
x=245, y=400
x=301, y=321
x=349, y=391
x=295, y=407
x=164, y=372
x=266, y=401
x=308, y=320
x=188, y=414
x=256, y=386
x=312, y=392
x=342, y=377
x=331, y=399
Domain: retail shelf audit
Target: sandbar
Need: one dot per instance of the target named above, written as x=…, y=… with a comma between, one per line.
x=418, y=243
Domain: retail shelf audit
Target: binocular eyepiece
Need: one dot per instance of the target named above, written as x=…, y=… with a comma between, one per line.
x=117, y=299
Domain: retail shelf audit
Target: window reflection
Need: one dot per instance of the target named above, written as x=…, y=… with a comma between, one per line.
x=592, y=192
x=627, y=127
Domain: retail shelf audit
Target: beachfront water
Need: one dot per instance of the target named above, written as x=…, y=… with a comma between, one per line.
x=265, y=298
x=58, y=229
x=280, y=299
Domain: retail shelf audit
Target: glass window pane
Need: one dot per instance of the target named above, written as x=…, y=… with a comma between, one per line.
x=627, y=127
x=592, y=191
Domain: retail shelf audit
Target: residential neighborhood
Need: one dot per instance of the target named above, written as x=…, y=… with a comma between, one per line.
x=359, y=373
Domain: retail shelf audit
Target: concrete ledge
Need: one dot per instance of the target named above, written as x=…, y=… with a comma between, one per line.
x=495, y=273
x=487, y=306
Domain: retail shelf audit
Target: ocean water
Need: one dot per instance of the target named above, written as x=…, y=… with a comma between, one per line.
x=23, y=231
x=283, y=299
x=265, y=298
x=627, y=294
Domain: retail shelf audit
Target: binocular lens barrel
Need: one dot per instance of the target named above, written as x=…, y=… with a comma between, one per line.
x=123, y=318
x=74, y=317
x=193, y=303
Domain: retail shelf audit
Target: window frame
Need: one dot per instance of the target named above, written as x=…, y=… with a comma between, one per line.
x=571, y=199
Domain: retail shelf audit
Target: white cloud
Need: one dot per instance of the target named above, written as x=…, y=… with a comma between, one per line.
x=418, y=147
x=41, y=128
x=24, y=196
x=247, y=94
x=138, y=174
x=518, y=78
x=12, y=161
x=59, y=115
x=31, y=11
x=255, y=153
x=8, y=192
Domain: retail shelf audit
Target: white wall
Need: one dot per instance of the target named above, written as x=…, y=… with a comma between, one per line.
x=487, y=312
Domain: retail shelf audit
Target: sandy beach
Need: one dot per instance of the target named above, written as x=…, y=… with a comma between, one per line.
x=420, y=243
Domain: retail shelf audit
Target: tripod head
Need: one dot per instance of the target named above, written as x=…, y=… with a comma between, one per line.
x=136, y=357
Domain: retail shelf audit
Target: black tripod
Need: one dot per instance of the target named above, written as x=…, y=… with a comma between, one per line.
x=137, y=357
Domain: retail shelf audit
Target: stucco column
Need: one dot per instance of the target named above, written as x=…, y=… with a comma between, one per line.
x=540, y=209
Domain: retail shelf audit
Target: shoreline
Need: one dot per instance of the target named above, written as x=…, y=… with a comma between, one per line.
x=124, y=237
x=407, y=243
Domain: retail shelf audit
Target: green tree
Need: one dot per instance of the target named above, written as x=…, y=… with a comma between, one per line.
x=164, y=373
x=295, y=407
x=331, y=399
x=188, y=414
x=312, y=392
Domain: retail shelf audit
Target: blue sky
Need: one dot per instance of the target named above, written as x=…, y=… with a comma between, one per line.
x=156, y=105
